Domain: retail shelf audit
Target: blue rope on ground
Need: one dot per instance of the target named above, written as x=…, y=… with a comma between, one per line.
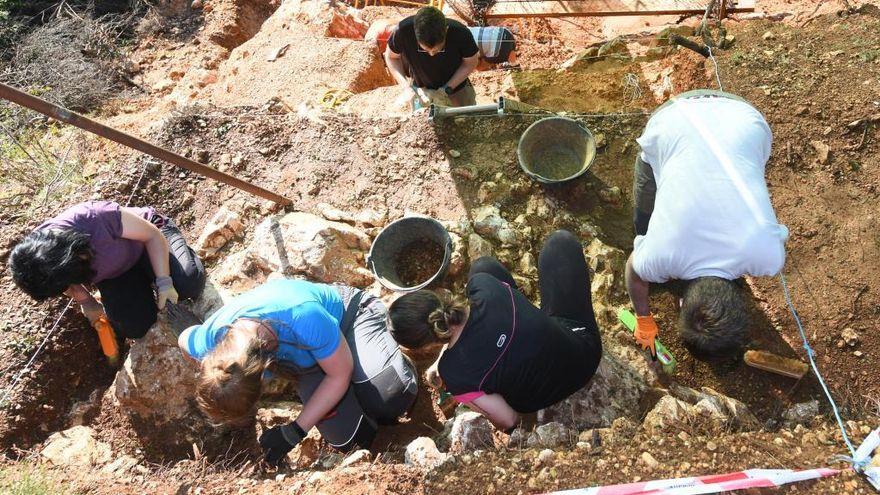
x=810, y=354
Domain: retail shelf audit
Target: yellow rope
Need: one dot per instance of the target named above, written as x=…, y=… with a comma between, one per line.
x=335, y=97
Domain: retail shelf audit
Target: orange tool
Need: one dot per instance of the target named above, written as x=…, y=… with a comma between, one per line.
x=108, y=339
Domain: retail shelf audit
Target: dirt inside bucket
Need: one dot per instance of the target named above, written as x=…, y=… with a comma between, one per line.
x=418, y=261
x=556, y=163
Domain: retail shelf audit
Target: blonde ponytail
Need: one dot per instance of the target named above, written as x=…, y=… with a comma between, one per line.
x=231, y=379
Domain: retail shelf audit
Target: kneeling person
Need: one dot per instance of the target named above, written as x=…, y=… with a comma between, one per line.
x=334, y=341
x=438, y=54
x=505, y=356
x=703, y=215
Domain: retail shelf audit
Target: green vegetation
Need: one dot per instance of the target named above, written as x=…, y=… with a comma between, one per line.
x=28, y=480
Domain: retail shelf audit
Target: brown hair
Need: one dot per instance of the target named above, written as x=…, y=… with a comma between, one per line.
x=231, y=379
x=425, y=316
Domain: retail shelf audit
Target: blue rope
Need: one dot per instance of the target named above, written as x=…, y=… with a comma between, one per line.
x=811, y=354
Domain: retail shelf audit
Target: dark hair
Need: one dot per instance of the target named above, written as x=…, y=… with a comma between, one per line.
x=423, y=317
x=48, y=261
x=714, y=319
x=430, y=26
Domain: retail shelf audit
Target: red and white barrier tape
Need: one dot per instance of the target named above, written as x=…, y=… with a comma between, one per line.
x=739, y=480
x=751, y=478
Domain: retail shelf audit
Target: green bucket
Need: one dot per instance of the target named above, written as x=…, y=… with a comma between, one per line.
x=556, y=149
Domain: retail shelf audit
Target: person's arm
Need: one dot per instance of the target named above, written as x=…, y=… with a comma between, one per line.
x=497, y=410
x=90, y=307
x=184, y=345
x=432, y=374
x=395, y=66
x=646, y=328
x=137, y=228
x=638, y=289
x=468, y=65
x=338, y=368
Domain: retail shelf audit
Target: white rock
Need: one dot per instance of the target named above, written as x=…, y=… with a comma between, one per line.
x=667, y=413
x=553, y=434
x=300, y=244
x=470, y=431
x=157, y=383
x=76, y=446
x=358, y=457
x=546, y=456
x=223, y=227
x=478, y=247
x=423, y=454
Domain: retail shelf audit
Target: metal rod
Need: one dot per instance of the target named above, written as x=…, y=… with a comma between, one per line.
x=62, y=114
x=437, y=111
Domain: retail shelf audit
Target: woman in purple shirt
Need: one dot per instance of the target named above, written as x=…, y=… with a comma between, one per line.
x=126, y=253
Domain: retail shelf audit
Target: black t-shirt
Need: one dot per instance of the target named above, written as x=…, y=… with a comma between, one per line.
x=510, y=347
x=427, y=71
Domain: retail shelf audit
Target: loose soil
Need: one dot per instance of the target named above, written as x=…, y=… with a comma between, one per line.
x=418, y=261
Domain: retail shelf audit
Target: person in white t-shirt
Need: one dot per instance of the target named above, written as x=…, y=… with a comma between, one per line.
x=703, y=215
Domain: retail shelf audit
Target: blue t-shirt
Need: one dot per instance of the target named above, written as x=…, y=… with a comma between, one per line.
x=305, y=315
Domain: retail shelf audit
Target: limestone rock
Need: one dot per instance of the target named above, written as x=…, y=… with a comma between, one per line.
x=156, y=382
x=801, y=413
x=458, y=259
x=613, y=392
x=121, y=465
x=76, y=447
x=358, y=457
x=223, y=227
x=423, y=454
x=607, y=264
x=553, y=434
x=300, y=244
x=722, y=410
x=488, y=222
x=478, y=247
x=823, y=151
x=470, y=431
x=667, y=413
x=850, y=336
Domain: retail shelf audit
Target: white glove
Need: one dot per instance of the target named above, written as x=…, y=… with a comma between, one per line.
x=165, y=292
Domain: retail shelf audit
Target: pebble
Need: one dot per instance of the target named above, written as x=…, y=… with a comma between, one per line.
x=850, y=336
x=858, y=354
x=454, y=153
x=711, y=446
x=649, y=460
x=546, y=456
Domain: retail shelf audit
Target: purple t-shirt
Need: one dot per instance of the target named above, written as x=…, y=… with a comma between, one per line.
x=102, y=221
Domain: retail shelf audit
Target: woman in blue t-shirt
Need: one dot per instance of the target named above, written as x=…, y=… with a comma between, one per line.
x=294, y=327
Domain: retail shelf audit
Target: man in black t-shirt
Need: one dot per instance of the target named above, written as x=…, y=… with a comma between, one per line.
x=432, y=57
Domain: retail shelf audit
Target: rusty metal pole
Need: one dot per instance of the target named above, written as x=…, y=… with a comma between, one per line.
x=62, y=114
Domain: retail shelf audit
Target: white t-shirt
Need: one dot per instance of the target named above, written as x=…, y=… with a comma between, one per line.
x=712, y=214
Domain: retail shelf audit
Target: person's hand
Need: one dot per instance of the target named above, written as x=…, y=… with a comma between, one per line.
x=432, y=376
x=92, y=310
x=645, y=334
x=165, y=292
x=277, y=441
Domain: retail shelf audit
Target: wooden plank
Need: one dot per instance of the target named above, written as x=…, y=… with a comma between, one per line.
x=605, y=8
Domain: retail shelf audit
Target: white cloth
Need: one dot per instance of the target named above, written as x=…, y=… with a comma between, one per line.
x=712, y=214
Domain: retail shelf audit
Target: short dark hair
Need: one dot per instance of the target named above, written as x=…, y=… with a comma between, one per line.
x=48, y=261
x=430, y=26
x=714, y=319
x=424, y=317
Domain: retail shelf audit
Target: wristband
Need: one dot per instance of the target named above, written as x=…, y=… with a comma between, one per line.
x=163, y=283
x=293, y=433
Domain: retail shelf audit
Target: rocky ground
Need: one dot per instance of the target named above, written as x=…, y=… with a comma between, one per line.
x=219, y=86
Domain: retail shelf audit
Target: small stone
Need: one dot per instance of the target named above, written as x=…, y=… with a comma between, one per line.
x=546, y=456
x=801, y=110
x=850, y=336
x=858, y=354
x=711, y=446
x=649, y=460
x=600, y=140
x=768, y=36
x=779, y=441
x=823, y=151
x=196, y=5
x=358, y=457
x=454, y=153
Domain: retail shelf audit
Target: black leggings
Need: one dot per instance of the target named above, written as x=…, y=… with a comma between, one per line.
x=129, y=300
x=563, y=277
